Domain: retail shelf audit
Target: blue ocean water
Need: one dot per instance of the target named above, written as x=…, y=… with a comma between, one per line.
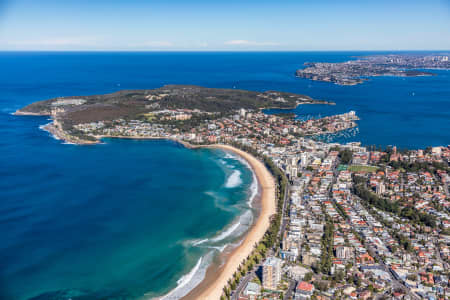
x=116, y=220
x=120, y=220
x=409, y=112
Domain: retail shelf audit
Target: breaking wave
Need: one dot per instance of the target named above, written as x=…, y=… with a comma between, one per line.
x=234, y=180
x=218, y=248
x=190, y=280
x=199, y=242
x=42, y=127
x=253, y=189
x=226, y=233
x=237, y=228
x=222, y=239
x=228, y=155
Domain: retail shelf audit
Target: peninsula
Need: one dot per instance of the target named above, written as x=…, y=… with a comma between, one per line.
x=197, y=117
x=173, y=110
x=357, y=71
x=336, y=220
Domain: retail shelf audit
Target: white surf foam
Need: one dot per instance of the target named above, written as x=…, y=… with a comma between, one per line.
x=183, y=281
x=190, y=280
x=42, y=127
x=226, y=233
x=245, y=221
x=218, y=201
x=237, y=228
x=253, y=189
x=218, y=248
x=238, y=158
x=253, y=186
x=200, y=242
x=228, y=155
x=234, y=180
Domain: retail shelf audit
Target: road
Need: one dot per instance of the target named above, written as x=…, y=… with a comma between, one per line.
x=396, y=284
x=284, y=217
x=243, y=283
x=290, y=291
x=248, y=277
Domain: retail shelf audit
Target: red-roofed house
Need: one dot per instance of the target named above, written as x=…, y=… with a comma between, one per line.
x=304, y=290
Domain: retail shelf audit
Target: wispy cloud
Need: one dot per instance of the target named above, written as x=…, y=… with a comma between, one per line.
x=56, y=42
x=249, y=43
x=83, y=43
x=151, y=44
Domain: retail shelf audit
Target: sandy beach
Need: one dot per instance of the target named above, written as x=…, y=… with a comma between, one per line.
x=216, y=278
x=212, y=286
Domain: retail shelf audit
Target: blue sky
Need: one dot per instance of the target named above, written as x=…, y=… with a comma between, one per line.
x=175, y=25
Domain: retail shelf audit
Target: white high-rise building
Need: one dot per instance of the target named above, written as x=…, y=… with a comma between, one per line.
x=242, y=112
x=294, y=161
x=271, y=274
x=294, y=172
x=381, y=189
x=304, y=159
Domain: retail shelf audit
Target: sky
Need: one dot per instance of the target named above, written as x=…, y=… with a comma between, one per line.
x=225, y=25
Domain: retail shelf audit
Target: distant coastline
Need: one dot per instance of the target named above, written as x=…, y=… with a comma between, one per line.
x=354, y=72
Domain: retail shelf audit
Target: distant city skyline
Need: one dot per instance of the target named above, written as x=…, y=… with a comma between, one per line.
x=248, y=25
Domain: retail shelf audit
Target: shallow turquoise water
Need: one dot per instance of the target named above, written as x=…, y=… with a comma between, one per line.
x=121, y=219
x=110, y=221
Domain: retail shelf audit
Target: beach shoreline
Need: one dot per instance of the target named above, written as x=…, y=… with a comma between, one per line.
x=216, y=279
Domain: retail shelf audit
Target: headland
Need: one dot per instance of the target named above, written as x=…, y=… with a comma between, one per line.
x=195, y=117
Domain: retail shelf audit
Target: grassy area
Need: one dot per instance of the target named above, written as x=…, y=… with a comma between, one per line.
x=150, y=117
x=342, y=167
x=355, y=168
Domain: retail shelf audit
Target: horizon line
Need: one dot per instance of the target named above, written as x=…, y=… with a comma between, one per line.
x=221, y=50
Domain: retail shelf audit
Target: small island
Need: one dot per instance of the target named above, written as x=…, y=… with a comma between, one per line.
x=355, y=72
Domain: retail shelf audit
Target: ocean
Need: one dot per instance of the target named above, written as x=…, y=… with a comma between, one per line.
x=131, y=219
